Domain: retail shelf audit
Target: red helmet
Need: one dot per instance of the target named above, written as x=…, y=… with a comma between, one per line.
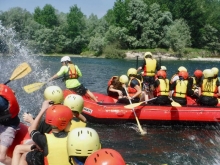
x=183, y=74
x=161, y=73
x=198, y=73
x=59, y=116
x=105, y=156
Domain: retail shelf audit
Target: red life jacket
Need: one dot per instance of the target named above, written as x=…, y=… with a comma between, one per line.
x=8, y=94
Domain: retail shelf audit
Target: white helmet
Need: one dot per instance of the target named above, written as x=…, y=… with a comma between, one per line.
x=74, y=102
x=82, y=142
x=65, y=58
x=182, y=68
x=163, y=68
x=54, y=93
x=123, y=79
x=148, y=54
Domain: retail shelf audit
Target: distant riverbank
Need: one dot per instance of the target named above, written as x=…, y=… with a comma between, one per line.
x=140, y=55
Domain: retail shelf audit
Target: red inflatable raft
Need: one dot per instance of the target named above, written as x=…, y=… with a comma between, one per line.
x=108, y=111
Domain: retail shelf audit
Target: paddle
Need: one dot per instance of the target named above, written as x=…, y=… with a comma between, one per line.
x=175, y=104
x=33, y=87
x=21, y=71
x=130, y=106
x=36, y=86
x=139, y=126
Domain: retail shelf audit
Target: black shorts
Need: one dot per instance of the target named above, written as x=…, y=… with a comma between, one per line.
x=80, y=90
x=162, y=100
x=180, y=100
x=207, y=101
x=149, y=80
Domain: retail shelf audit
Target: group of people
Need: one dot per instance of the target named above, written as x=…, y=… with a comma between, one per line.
x=53, y=139
x=153, y=86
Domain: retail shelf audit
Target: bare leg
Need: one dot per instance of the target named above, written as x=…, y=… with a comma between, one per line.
x=19, y=154
x=3, y=157
x=82, y=118
x=91, y=96
x=23, y=159
x=144, y=97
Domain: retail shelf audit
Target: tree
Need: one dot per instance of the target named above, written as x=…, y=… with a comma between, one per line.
x=137, y=15
x=177, y=36
x=76, y=22
x=16, y=18
x=47, y=16
x=210, y=38
x=155, y=27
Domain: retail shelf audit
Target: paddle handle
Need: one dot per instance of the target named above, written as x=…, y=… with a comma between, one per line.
x=7, y=82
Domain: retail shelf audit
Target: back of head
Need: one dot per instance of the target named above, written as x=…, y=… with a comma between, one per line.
x=208, y=73
x=163, y=68
x=198, y=73
x=123, y=79
x=148, y=55
x=54, y=93
x=58, y=116
x=132, y=72
x=215, y=71
x=183, y=74
x=182, y=68
x=4, y=104
x=65, y=59
x=82, y=142
x=161, y=74
x=105, y=156
x=74, y=102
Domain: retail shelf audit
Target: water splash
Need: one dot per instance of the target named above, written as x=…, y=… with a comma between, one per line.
x=13, y=53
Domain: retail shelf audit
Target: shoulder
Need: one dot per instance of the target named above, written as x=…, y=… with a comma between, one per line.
x=63, y=67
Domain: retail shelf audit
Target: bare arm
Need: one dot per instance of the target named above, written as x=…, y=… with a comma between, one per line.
x=35, y=123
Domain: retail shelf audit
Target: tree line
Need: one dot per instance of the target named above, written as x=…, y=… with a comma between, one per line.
x=130, y=24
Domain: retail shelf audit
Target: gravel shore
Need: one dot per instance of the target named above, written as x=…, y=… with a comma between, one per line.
x=133, y=55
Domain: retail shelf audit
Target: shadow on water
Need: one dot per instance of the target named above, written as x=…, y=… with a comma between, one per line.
x=174, y=144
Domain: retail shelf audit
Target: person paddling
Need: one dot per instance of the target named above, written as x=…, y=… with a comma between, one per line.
x=53, y=146
x=209, y=89
x=180, y=88
x=161, y=86
x=9, y=121
x=71, y=73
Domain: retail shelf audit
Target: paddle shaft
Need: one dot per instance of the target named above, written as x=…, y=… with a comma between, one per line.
x=139, y=126
x=137, y=104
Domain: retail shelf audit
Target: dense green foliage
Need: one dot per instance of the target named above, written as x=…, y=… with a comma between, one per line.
x=131, y=24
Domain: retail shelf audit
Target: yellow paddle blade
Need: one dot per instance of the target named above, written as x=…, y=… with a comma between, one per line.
x=130, y=106
x=76, y=123
x=175, y=104
x=21, y=71
x=33, y=87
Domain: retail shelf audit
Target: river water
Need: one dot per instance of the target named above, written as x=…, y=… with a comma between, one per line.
x=175, y=144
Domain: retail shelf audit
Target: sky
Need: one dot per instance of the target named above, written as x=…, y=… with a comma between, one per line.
x=97, y=7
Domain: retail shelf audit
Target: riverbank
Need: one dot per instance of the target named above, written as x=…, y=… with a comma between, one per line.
x=140, y=55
